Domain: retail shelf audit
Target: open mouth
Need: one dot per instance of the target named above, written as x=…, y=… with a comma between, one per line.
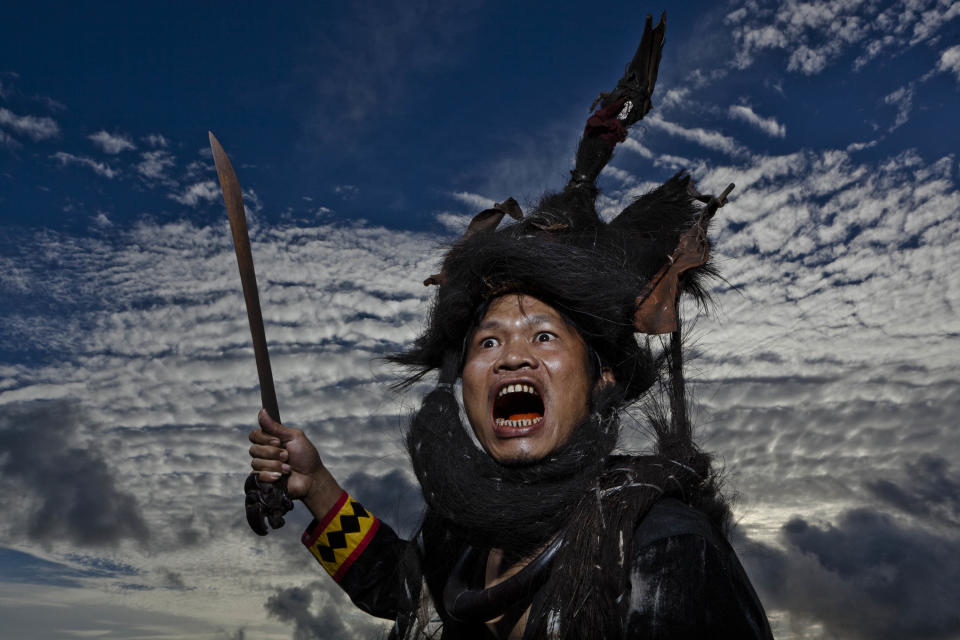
x=517, y=405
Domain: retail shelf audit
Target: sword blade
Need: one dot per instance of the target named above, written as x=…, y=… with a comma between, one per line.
x=233, y=199
x=263, y=500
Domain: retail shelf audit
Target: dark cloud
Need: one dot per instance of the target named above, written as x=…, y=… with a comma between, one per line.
x=173, y=580
x=292, y=605
x=66, y=491
x=392, y=497
x=903, y=579
x=929, y=490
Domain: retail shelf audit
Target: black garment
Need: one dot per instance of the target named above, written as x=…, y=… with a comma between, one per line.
x=686, y=582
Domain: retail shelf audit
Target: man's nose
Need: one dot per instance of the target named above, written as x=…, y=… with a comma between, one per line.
x=515, y=356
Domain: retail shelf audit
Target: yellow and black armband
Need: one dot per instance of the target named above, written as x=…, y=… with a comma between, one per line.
x=340, y=537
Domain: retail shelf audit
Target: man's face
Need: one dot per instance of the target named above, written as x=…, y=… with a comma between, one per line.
x=525, y=381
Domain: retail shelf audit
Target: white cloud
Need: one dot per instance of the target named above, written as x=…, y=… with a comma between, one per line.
x=194, y=194
x=35, y=127
x=769, y=126
x=112, y=143
x=453, y=222
x=950, y=60
x=473, y=200
x=102, y=220
x=658, y=159
x=818, y=33
x=674, y=97
x=99, y=168
x=860, y=146
x=636, y=146
x=623, y=177
x=346, y=191
x=154, y=164
x=155, y=140
x=704, y=137
x=902, y=99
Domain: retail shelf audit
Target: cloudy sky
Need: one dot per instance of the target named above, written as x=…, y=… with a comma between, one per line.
x=365, y=136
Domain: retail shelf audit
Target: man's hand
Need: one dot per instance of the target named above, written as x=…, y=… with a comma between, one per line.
x=279, y=450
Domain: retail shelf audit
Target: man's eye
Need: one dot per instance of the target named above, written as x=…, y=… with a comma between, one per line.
x=545, y=336
x=488, y=343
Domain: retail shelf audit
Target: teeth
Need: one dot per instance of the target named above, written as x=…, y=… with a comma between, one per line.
x=517, y=388
x=516, y=424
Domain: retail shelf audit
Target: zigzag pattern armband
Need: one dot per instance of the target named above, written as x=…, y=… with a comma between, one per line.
x=339, y=539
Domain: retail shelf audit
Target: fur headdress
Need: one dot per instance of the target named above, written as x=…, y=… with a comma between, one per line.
x=610, y=279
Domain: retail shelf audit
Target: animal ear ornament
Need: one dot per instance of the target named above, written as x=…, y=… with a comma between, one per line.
x=484, y=222
x=657, y=304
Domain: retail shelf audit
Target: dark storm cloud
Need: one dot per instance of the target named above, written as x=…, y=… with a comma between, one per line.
x=903, y=578
x=391, y=497
x=930, y=489
x=62, y=490
x=292, y=605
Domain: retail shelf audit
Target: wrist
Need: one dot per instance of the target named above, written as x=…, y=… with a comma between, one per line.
x=322, y=494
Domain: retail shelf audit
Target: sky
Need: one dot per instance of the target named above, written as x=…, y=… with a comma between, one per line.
x=365, y=136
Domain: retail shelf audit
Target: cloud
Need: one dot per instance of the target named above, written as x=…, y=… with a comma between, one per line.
x=35, y=127
x=346, y=191
x=319, y=620
x=102, y=220
x=292, y=605
x=809, y=377
x=154, y=164
x=816, y=34
x=769, y=126
x=902, y=99
x=70, y=495
x=860, y=146
x=929, y=490
x=155, y=140
x=99, y=168
x=473, y=200
x=203, y=191
x=453, y=222
x=704, y=137
x=112, y=143
x=899, y=576
x=950, y=61
x=392, y=497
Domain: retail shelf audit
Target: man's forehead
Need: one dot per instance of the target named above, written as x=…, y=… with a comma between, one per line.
x=527, y=309
x=530, y=319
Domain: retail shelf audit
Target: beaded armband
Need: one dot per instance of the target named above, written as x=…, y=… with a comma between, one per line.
x=340, y=537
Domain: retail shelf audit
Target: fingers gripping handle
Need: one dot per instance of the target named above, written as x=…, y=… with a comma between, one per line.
x=265, y=502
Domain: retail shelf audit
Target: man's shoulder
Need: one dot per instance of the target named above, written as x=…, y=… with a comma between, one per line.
x=669, y=518
x=686, y=580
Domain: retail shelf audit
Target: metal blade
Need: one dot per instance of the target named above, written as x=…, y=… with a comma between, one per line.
x=264, y=500
x=233, y=199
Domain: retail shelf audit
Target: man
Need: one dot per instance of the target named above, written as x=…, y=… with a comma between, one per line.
x=543, y=531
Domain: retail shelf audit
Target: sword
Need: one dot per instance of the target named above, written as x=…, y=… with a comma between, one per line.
x=263, y=499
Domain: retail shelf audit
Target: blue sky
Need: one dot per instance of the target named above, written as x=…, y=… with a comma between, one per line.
x=365, y=136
